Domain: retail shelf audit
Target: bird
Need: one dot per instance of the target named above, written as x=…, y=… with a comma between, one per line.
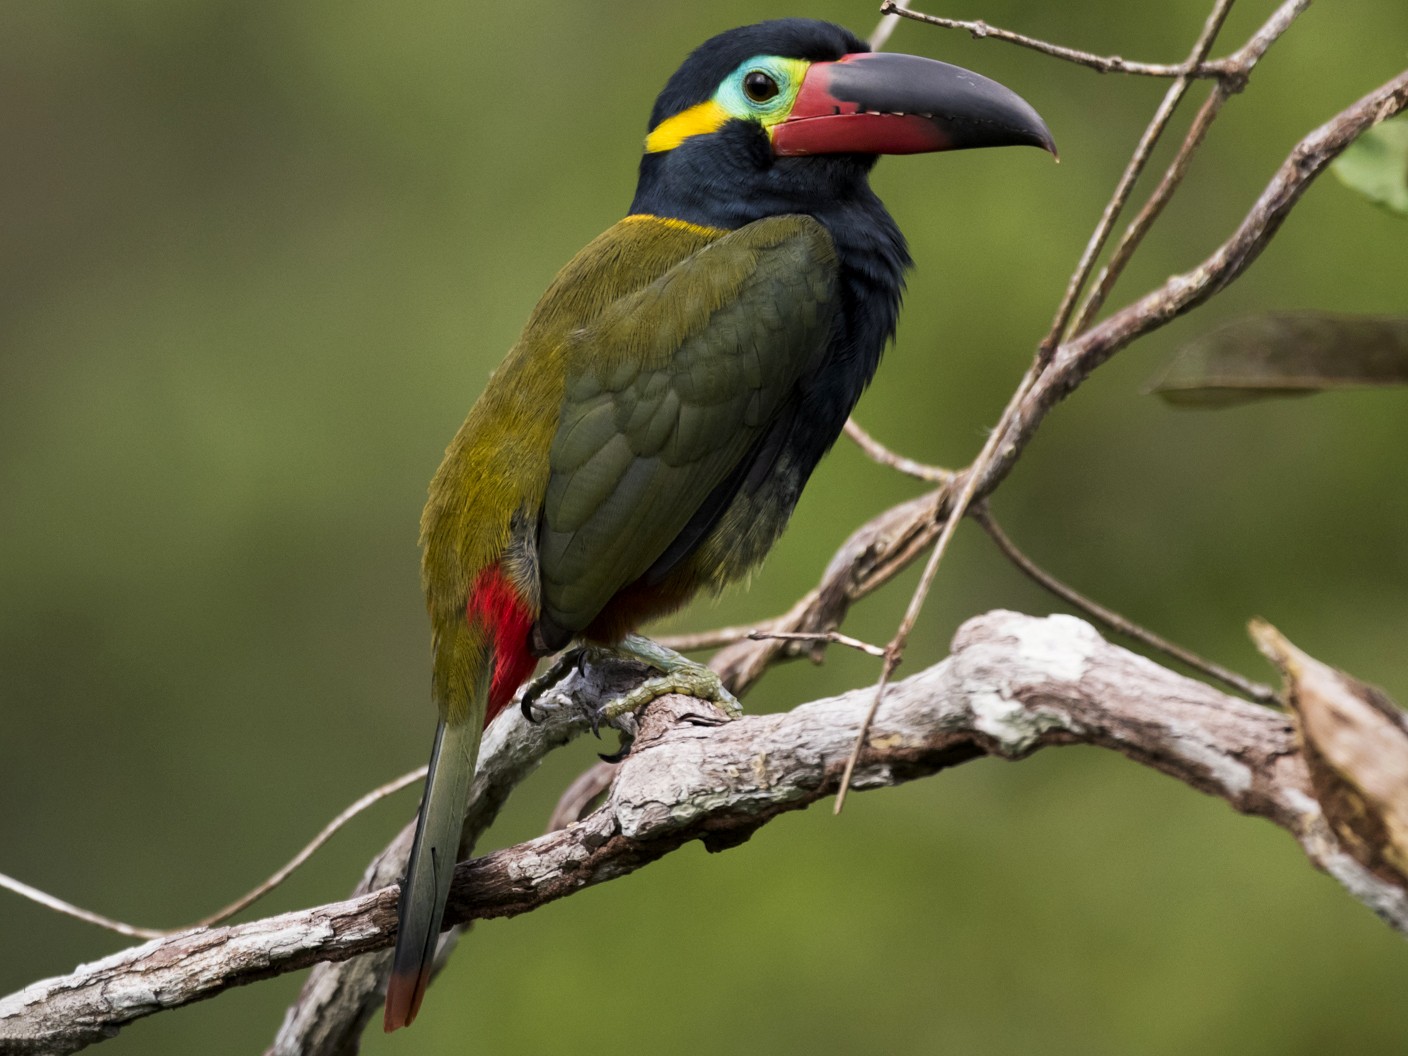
x=649, y=433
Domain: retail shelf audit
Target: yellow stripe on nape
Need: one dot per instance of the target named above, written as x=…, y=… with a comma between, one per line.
x=696, y=121
x=677, y=224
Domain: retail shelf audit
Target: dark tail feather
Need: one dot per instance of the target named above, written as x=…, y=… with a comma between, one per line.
x=431, y=865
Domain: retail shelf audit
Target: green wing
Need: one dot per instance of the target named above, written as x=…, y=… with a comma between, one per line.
x=667, y=391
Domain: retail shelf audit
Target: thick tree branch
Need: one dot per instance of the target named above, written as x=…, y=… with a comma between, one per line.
x=1013, y=684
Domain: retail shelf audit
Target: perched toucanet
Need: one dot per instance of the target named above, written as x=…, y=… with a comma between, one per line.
x=649, y=433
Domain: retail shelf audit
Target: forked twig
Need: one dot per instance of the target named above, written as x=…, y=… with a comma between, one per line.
x=1138, y=160
x=980, y=473
x=1243, y=61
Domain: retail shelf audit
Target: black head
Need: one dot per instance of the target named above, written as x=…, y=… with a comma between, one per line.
x=789, y=116
x=796, y=38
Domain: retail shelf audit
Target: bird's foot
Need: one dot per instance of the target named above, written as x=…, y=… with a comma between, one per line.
x=677, y=675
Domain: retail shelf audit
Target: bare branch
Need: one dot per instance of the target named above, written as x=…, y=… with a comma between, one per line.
x=981, y=30
x=338, y=999
x=966, y=489
x=1142, y=152
x=1138, y=227
x=875, y=552
x=1237, y=67
x=1242, y=64
x=1077, y=358
x=1014, y=684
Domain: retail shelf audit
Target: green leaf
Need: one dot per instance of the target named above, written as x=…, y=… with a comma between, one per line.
x=1286, y=354
x=1376, y=165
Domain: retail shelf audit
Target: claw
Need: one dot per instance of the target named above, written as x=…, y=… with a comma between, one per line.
x=530, y=697
x=620, y=753
x=553, y=677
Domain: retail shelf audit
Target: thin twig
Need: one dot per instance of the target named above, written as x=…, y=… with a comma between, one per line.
x=1079, y=357
x=834, y=637
x=248, y=899
x=376, y=795
x=1243, y=62
x=889, y=18
x=1257, y=691
x=721, y=636
x=49, y=901
x=1237, y=67
x=894, y=652
x=1140, y=158
x=1138, y=227
x=713, y=639
x=878, y=452
x=1102, y=63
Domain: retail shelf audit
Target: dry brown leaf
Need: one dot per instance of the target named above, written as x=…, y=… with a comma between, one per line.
x=1355, y=742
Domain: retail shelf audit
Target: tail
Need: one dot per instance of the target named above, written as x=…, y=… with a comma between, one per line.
x=432, y=862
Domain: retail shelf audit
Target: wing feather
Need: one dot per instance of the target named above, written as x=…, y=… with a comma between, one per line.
x=668, y=392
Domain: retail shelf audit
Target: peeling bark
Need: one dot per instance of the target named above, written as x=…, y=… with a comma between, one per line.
x=1013, y=684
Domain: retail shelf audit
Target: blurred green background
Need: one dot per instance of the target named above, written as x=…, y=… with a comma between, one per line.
x=256, y=260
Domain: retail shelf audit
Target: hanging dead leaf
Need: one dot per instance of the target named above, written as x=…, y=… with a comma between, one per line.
x=1355, y=743
x=1286, y=354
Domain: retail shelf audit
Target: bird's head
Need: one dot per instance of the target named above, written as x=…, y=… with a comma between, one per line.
x=770, y=117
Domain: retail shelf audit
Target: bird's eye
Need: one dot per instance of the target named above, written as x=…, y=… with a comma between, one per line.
x=759, y=87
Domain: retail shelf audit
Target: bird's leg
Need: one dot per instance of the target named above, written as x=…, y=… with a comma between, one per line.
x=677, y=675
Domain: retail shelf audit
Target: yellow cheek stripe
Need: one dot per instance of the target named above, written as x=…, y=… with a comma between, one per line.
x=697, y=120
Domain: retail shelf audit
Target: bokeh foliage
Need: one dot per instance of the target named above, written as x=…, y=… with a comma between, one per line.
x=256, y=259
